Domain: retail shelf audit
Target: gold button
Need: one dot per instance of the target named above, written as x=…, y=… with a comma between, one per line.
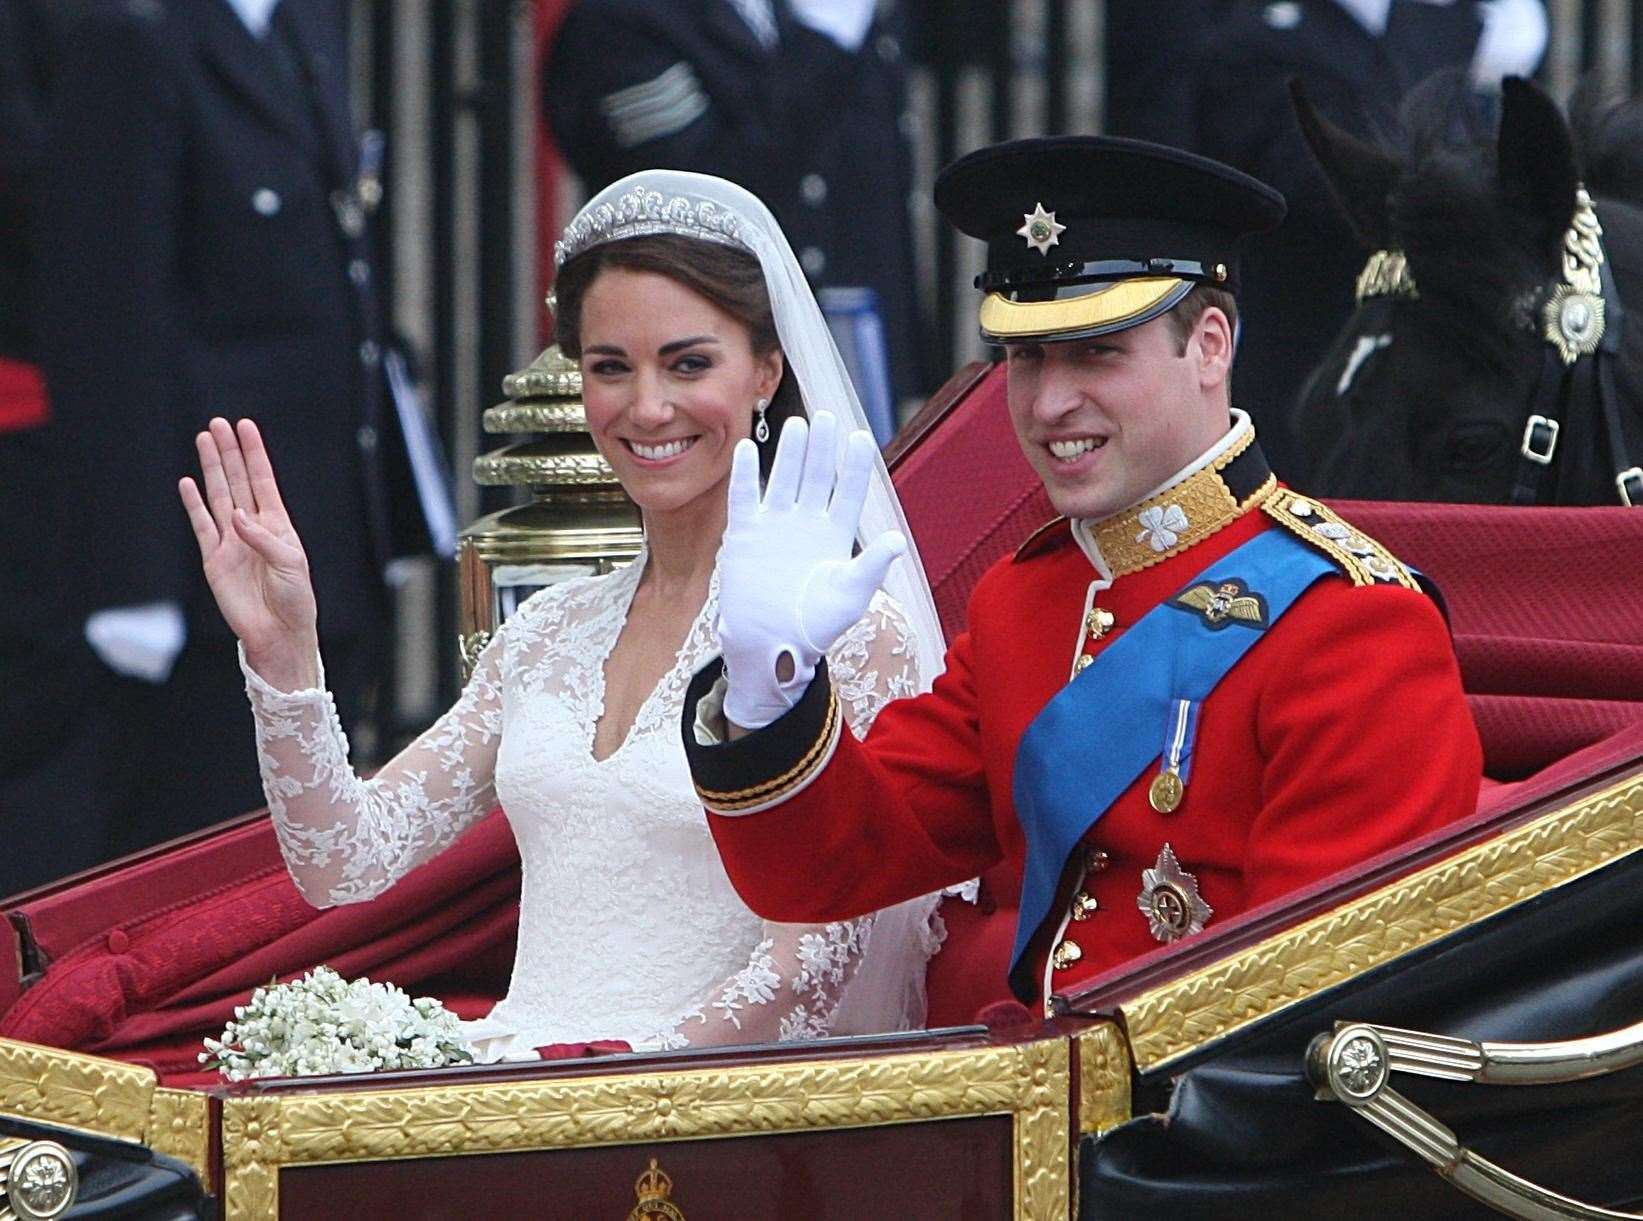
x=1096, y=860
x=1084, y=905
x=1099, y=623
x=1083, y=663
x=1065, y=955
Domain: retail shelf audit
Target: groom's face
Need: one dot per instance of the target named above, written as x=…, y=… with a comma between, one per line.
x=1103, y=421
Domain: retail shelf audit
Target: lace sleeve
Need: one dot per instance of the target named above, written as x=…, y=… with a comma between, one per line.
x=344, y=839
x=789, y=990
x=873, y=663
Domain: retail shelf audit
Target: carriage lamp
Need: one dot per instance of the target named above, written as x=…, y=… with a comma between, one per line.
x=578, y=521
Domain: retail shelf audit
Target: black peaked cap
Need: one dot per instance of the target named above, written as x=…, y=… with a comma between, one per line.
x=1122, y=210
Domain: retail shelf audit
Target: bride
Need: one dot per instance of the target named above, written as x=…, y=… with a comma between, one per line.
x=694, y=329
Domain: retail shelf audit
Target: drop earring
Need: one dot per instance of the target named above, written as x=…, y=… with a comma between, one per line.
x=761, y=427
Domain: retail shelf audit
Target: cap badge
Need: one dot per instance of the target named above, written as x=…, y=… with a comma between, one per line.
x=1041, y=229
x=1170, y=901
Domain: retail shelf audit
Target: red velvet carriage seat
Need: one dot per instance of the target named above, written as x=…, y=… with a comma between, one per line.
x=140, y=960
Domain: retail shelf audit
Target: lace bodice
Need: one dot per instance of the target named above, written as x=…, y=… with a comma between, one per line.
x=628, y=928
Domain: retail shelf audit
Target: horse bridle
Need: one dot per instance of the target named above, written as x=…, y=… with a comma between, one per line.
x=1580, y=320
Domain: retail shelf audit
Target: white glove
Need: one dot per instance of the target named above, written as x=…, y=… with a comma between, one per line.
x=140, y=642
x=787, y=582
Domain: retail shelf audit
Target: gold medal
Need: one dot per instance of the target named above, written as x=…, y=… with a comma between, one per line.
x=1166, y=791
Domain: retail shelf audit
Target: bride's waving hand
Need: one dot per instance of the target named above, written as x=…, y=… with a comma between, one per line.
x=253, y=559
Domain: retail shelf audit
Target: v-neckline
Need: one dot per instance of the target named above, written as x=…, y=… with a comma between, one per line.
x=591, y=728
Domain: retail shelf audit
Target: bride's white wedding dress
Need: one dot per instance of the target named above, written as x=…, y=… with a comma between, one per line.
x=628, y=927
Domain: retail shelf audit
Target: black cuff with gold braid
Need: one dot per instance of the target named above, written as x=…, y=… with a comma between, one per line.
x=770, y=764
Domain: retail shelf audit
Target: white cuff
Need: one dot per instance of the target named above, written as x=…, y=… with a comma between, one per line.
x=259, y=686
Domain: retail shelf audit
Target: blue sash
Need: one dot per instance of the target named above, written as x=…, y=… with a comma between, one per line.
x=1100, y=731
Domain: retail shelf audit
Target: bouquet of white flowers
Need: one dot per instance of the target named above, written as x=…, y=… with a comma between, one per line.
x=322, y=1023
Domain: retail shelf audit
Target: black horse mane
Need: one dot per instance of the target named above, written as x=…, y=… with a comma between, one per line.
x=1473, y=254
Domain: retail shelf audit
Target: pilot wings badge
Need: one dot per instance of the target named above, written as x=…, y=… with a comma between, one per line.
x=1218, y=605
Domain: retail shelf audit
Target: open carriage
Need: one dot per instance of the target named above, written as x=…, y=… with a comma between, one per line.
x=1228, y=1074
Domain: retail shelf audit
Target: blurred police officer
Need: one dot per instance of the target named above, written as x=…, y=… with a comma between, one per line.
x=201, y=251
x=800, y=101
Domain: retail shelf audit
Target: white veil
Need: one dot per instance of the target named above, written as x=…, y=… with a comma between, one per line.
x=714, y=210
x=887, y=991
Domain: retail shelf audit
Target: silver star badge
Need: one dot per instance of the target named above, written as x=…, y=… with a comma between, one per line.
x=1041, y=229
x=1170, y=901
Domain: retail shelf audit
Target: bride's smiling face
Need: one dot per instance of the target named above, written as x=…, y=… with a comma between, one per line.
x=670, y=382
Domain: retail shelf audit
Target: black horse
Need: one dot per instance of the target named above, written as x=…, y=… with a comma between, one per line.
x=1490, y=358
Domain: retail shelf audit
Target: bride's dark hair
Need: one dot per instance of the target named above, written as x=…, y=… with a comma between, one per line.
x=728, y=276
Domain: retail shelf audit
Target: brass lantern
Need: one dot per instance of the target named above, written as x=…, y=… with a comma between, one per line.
x=578, y=521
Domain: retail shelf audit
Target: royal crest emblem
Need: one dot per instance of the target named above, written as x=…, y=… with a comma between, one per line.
x=1229, y=602
x=1041, y=229
x=654, y=1188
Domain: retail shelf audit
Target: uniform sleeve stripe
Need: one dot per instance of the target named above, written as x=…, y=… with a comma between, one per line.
x=680, y=76
x=761, y=796
x=655, y=108
x=632, y=133
x=770, y=764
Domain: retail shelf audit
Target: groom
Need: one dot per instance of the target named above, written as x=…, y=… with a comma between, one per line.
x=1192, y=692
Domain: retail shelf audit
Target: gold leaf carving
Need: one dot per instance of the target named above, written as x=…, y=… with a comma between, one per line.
x=1103, y=1079
x=252, y=1155
x=1178, y=1017
x=178, y=1126
x=53, y=1086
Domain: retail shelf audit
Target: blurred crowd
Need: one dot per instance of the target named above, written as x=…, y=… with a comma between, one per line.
x=186, y=232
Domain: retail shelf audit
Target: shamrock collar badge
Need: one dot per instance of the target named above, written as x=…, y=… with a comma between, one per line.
x=1041, y=229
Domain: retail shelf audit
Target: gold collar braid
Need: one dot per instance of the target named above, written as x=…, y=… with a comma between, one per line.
x=1184, y=513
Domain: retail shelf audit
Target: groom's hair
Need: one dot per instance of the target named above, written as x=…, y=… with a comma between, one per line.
x=727, y=276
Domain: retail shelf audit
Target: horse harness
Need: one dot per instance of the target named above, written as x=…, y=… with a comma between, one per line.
x=1581, y=319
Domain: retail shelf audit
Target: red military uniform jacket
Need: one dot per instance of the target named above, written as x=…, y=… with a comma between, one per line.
x=1340, y=733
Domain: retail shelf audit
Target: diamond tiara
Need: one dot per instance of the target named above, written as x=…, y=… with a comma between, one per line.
x=640, y=212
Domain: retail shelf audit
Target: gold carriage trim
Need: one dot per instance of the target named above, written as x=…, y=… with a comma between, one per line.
x=756, y=797
x=1186, y=514
x=1361, y=559
x=1030, y=1082
x=106, y=1098
x=1180, y=1017
x=1103, y=1079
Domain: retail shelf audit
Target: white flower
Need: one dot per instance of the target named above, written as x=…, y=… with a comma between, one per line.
x=1161, y=526
x=323, y=1024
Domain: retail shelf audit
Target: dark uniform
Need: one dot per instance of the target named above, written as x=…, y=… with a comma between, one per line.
x=1298, y=279
x=1154, y=721
x=812, y=129
x=200, y=250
